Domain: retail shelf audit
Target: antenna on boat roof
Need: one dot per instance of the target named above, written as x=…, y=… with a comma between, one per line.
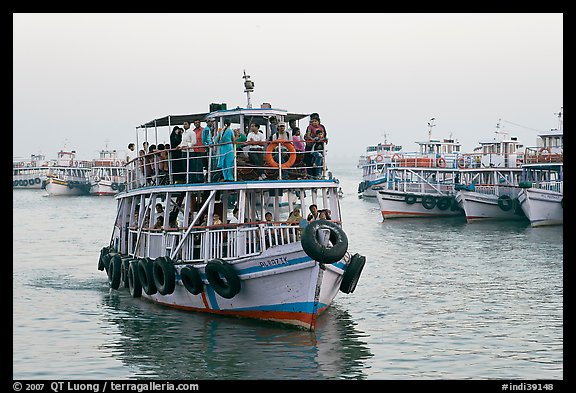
x=497, y=132
x=385, y=136
x=248, y=88
x=430, y=125
x=559, y=114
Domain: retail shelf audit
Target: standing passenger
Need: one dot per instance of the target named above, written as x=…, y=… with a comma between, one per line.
x=176, y=155
x=194, y=166
x=225, y=138
x=131, y=154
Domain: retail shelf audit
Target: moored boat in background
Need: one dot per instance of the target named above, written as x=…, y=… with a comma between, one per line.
x=32, y=173
x=542, y=188
x=421, y=184
x=108, y=174
x=69, y=176
x=489, y=179
x=373, y=164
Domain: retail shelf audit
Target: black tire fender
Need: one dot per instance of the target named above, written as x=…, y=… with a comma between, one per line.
x=429, y=202
x=223, y=278
x=146, y=276
x=317, y=251
x=124, y=271
x=444, y=203
x=352, y=273
x=505, y=202
x=191, y=280
x=115, y=271
x=164, y=275
x=410, y=199
x=134, y=285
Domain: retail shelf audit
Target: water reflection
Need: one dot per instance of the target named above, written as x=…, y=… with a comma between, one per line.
x=157, y=342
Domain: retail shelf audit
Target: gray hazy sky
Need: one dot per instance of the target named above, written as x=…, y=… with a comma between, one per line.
x=81, y=81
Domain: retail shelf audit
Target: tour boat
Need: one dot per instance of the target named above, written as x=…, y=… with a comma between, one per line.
x=108, y=174
x=421, y=184
x=69, y=176
x=373, y=164
x=195, y=235
x=541, y=196
x=30, y=174
x=490, y=179
x=542, y=188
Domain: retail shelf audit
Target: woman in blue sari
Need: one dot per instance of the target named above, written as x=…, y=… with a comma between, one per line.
x=224, y=138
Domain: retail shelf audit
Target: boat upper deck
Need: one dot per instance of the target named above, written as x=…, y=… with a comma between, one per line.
x=226, y=155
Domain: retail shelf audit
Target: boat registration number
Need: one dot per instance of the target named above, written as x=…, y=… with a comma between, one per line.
x=274, y=262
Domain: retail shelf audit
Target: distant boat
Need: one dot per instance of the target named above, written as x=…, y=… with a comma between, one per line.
x=421, y=184
x=542, y=188
x=69, y=176
x=373, y=164
x=490, y=179
x=32, y=173
x=108, y=174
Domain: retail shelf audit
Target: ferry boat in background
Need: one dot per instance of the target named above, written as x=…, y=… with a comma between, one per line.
x=69, y=176
x=421, y=184
x=373, y=164
x=196, y=254
x=108, y=175
x=32, y=173
x=542, y=188
x=490, y=179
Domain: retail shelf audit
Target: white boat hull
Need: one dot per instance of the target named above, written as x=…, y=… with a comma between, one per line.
x=57, y=187
x=478, y=207
x=296, y=273
x=542, y=207
x=104, y=187
x=393, y=205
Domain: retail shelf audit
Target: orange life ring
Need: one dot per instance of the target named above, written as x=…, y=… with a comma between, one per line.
x=396, y=156
x=379, y=158
x=269, y=156
x=118, y=163
x=461, y=163
x=441, y=162
x=368, y=159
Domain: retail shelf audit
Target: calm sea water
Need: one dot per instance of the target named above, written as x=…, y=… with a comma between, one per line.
x=438, y=299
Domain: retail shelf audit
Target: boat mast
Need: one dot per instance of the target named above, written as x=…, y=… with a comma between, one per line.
x=430, y=125
x=559, y=114
x=248, y=88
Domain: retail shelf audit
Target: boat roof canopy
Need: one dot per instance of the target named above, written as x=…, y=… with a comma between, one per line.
x=232, y=114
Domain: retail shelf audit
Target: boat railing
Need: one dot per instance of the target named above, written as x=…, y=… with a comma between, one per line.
x=421, y=187
x=497, y=189
x=552, y=185
x=203, y=243
x=247, y=161
x=534, y=155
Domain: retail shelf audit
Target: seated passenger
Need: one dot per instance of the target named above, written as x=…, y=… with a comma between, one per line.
x=256, y=148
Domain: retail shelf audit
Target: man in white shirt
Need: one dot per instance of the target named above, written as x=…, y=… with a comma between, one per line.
x=131, y=154
x=194, y=167
x=256, y=151
x=188, y=136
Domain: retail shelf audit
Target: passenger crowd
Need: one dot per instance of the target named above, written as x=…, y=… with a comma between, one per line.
x=188, y=152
